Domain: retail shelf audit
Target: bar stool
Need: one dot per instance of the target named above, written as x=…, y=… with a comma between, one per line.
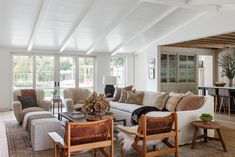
x=224, y=94
x=212, y=92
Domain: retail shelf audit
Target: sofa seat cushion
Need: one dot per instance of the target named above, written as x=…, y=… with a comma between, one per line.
x=124, y=107
x=158, y=114
x=32, y=109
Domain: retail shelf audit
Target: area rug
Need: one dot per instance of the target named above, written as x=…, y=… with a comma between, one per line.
x=19, y=146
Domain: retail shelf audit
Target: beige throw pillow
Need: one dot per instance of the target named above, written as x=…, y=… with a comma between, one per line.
x=190, y=102
x=135, y=98
x=124, y=95
x=161, y=100
x=173, y=101
x=117, y=93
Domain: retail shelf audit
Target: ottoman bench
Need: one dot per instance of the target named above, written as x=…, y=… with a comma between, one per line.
x=39, y=132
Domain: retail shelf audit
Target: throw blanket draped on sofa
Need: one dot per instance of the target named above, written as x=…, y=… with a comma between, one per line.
x=136, y=114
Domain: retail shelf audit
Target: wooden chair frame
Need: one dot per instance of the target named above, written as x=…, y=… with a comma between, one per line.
x=142, y=150
x=67, y=150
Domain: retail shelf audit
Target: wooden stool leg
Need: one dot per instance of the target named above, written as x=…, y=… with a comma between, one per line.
x=194, y=138
x=221, y=139
x=205, y=135
x=228, y=99
x=122, y=151
x=216, y=101
x=221, y=103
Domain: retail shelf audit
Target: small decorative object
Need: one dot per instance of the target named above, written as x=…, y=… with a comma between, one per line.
x=151, y=66
x=205, y=117
x=54, y=93
x=227, y=62
x=96, y=107
x=220, y=84
x=109, y=89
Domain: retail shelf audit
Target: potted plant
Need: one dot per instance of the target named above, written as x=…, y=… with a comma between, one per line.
x=227, y=62
x=96, y=107
x=205, y=117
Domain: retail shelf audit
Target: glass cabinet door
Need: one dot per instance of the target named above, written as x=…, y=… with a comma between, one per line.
x=191, y=69
x=172, y=68
x=182, y=68
x=163, y=68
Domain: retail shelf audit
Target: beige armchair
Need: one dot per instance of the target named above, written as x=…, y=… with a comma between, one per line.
x=75, y=97
x=43, y=105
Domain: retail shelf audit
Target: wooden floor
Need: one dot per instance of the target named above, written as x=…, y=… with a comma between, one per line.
x=228, y=131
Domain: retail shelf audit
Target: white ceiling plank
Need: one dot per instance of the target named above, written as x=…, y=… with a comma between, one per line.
x=114, y=24
x=172, y=31
x=37, y=23
x=77, y=24
x=148, y=26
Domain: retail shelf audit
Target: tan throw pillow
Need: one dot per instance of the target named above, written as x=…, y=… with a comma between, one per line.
x=161, y=101
x=117, y=93
x=190, y=102
x=173, y=101
x=135, y=98
x=123, y=96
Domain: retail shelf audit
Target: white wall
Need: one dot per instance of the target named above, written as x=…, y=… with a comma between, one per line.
x=102, y=68
x=212, y=23
x=5, y=79
x=142, y=82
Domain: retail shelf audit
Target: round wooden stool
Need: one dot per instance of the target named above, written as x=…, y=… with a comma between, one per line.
x=207, y=125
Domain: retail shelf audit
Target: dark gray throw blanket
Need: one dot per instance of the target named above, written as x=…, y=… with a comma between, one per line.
x=48, y=115
x=136, y=114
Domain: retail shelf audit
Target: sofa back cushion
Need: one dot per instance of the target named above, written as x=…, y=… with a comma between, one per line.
x=190, y=102
x=173, y=101
x=150, y=98
x=161, y=101
x=118, y=91
x=135, y=98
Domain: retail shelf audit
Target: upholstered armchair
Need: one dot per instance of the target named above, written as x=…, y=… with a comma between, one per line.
x=75, y=97
x=19, y=111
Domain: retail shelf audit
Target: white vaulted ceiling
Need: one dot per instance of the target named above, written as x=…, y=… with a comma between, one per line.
x=87, y=26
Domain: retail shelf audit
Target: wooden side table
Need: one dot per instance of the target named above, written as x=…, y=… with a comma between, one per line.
x=205, y=126
x=57, y=101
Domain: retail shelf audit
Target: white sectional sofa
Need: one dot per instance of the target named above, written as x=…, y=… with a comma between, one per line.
x=124, y=111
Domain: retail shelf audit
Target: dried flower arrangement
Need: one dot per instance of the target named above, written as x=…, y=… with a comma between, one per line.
x=96, y=105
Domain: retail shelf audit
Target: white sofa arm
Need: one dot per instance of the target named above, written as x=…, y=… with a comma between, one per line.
x=69, y=104
x=185, y=118
x=17, y=107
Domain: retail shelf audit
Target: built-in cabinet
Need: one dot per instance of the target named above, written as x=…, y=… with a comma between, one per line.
x=178, y=73
x=178, y=68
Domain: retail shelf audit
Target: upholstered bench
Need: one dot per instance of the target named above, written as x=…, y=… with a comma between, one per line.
x=39, y=132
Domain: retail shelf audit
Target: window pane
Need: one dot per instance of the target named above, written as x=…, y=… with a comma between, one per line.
x=86, y=72
x=45, y=74
x=67, y=73
x=118, y=69
x=22, y=72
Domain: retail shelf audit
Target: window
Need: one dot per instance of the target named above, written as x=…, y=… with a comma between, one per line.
x=118, y=69
x=86, y=72
x=22, y=72
x=52, y=72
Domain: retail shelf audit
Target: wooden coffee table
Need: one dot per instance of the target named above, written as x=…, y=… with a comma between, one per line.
x=205, y=126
